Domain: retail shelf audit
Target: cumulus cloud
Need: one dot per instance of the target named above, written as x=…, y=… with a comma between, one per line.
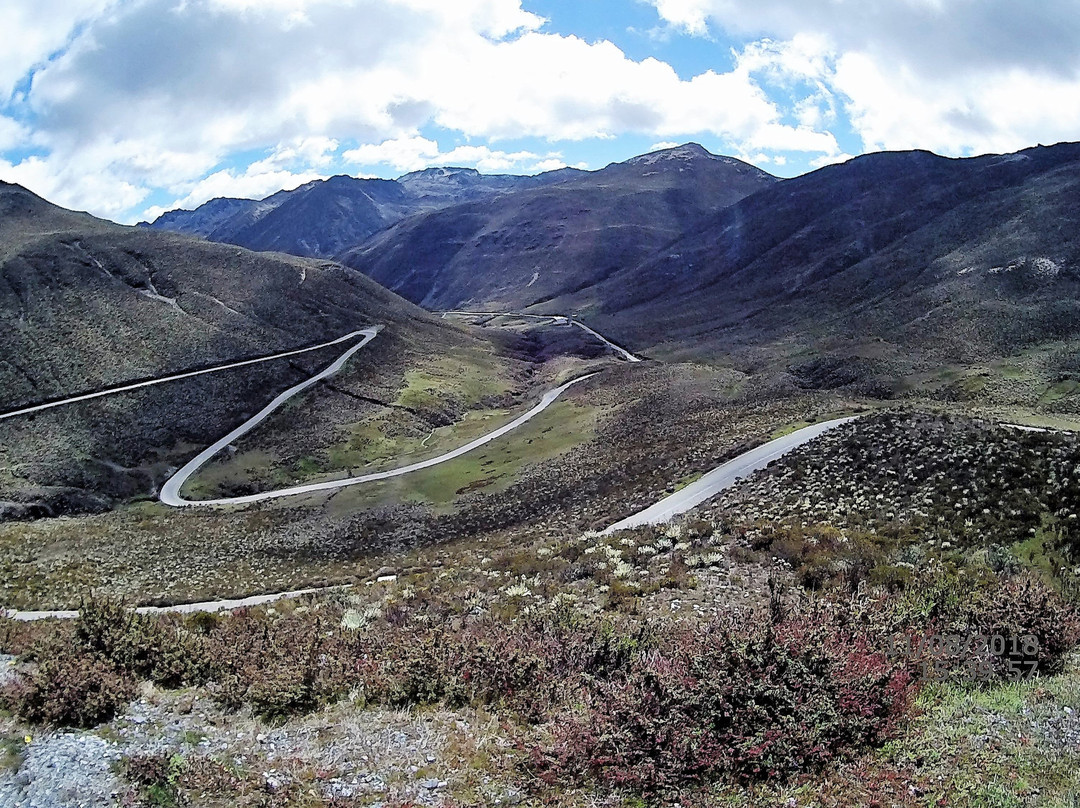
x=161, y=94
x=950, y=75
x=415, y=153
x=256, y=182
x=34, y=30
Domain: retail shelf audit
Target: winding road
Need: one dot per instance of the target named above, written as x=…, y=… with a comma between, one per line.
x=720, y=478
x=111, y=391
x=692, y=495
x=170, y=492
x=556, y=318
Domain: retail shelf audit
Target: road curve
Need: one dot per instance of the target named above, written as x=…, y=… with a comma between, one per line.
x=724, y=476
x=176, y=377
x=170, y=492
x=558, y=318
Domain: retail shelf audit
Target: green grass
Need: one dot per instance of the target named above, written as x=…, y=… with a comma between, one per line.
x=470, y=379
x=492, y=467
x=992, y=746
x=1059, y=390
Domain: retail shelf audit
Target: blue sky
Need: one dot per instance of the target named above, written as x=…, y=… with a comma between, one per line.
x=127, y=108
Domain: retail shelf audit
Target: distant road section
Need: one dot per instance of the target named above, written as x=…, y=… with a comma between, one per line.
x=724, y=476
x=176, y=377
x=558, y=318
x=182, y=608
x=170, y=492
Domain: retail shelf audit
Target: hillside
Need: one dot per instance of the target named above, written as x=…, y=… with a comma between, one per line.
x=86, y=304
x=325, y=217
x=533, y=245
x=891, y=265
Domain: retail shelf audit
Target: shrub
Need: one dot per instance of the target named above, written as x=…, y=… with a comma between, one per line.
x=1024, y=606
x=146, y=647
x=71, y=689
x=162, y=780
x=747, y=702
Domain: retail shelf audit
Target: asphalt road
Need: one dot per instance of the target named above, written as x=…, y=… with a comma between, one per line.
x=176, y=377
x=556, y=318
x=694, y=494
x=724, y=476
x=170, y=492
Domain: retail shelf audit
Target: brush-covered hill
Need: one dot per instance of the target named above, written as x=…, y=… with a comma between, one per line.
x=86, y=304
x=889, y=264
x=536, y=244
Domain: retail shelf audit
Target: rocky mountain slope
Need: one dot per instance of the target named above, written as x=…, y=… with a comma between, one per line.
x=537, y=244
x=902, y=256
x=325, y=217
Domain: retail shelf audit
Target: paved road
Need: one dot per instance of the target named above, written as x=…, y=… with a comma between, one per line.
x=724, y=476
x=557, y=318
x=170, y=492
x=183, y=608
x=176, y=377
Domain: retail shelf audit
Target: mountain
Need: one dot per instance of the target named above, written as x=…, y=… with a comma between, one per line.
x=891, y=263
x=535, y=244
x=85, y=304
x=325, y=217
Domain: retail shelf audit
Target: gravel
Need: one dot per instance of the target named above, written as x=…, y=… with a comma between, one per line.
x=63, y=770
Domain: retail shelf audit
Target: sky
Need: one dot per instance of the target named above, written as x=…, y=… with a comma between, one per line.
x=129, y=108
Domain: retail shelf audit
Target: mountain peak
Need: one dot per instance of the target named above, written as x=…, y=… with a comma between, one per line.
x=440, y=172
x=685, y=152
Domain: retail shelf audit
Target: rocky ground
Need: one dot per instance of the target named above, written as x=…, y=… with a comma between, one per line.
x=366, y=757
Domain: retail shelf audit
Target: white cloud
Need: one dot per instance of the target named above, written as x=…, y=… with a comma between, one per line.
x=403, y=154
x=157, y=94
x=253, y=183
x=895, y=110
x=551, y=164
x=310, y=151
x=101, y=194
x=34, y=29
x=949, y=75
x=12, y=133
x=830, y=159
x=689, y=15
x=416, y=153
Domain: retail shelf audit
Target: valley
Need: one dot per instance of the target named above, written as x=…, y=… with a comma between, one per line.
x=552, y=462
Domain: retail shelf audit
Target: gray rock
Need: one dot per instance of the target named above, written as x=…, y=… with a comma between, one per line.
x=63, y=770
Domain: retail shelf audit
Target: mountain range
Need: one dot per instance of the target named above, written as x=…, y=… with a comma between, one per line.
x=324, y=217
x=87, y=304
x=892, y=274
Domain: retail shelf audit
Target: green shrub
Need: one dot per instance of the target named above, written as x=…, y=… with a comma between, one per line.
x=148, y=648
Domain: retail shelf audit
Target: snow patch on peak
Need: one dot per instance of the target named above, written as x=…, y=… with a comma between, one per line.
x=440, y=172
x=685, y=152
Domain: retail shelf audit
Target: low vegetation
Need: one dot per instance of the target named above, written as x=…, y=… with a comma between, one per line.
x=798, y=643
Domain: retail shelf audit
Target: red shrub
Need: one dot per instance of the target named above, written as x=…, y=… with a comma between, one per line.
x=753, y=704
